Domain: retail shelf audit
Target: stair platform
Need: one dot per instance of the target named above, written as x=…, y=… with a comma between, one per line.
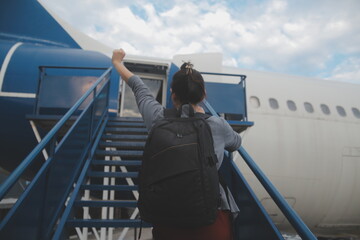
x=103, y=203
x=126, y=130
x=126, y=124
x=126, y=119
x=123, y=145
x=125, y=137
x=98, y=187
x=117, y=162
x=113, y=174
x=100, y=223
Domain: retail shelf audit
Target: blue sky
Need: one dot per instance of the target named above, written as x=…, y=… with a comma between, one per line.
x=307, y=38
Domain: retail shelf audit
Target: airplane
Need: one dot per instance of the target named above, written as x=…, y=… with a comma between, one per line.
x=306, y=135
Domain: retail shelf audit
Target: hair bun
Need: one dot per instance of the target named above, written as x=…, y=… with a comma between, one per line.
x=188, y=66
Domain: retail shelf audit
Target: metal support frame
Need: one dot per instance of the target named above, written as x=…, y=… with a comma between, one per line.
x=38, y=138
x=50, y=141
x=241, y=82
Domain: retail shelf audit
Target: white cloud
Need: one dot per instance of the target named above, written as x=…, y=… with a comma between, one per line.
x=247, y=61
x=193, y=47
x=348, y=70
x=231, y=62
x=284, y=36
x=277, y=6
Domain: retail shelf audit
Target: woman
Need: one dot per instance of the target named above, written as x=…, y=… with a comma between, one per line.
x=187, y=87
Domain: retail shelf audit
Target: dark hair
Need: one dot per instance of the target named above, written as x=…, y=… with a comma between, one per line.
x=188, y=85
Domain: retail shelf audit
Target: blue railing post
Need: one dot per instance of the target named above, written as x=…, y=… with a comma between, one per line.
x=52, y=146
x=92, y=116
x=41, y=77
x=107, y=99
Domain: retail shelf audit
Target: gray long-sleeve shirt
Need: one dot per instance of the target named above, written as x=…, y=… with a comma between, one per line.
x=223, y=135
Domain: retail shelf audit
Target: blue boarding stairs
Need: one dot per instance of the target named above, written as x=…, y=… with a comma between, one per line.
x=86, y=183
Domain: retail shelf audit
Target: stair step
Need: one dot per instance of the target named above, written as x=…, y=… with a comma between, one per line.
x=117, y=162
x=126, y=130
x=91, y=203
x=98, y=223
x=123, y=145
x=98, y=187
x=113, y=174
x=123, y=154
x=126, y=124
x=126, y=137
x=125, y=119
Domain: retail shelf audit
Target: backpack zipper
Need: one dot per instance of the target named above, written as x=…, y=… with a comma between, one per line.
x=164, y=150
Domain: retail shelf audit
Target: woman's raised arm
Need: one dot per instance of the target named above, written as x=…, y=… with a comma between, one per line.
x=117, y=60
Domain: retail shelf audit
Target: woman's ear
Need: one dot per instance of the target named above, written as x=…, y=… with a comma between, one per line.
x=203, y=96
x=174, y=100
x=173, y=97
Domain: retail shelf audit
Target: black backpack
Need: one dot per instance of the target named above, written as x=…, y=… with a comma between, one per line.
x=178, y=180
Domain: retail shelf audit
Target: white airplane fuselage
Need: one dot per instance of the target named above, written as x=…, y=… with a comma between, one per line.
x=312, y=158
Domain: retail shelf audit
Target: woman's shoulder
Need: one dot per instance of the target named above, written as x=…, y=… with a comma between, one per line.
x=217, y=123
x=221, y=128
x=216, y=120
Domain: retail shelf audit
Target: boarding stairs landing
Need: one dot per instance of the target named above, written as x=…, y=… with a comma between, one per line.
x=87, y=183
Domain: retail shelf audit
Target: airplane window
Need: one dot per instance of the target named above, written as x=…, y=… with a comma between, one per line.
x=273, y=103
x=255, y=102
x=325, y=109
x=291, y=105
x=341, y=111
x=356, y=112
x=308, y=107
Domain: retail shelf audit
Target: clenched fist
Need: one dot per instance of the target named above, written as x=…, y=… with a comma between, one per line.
x=118, y=55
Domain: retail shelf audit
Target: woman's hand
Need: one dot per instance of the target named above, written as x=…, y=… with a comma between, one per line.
x=118, y=56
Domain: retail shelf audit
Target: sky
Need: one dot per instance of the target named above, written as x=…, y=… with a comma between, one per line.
x=309, y=38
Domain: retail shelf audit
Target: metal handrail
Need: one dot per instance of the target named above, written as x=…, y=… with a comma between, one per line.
x=16, y=174
x=209, y=107
x=242, y=77
x=294, y=219
x=70, y=67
